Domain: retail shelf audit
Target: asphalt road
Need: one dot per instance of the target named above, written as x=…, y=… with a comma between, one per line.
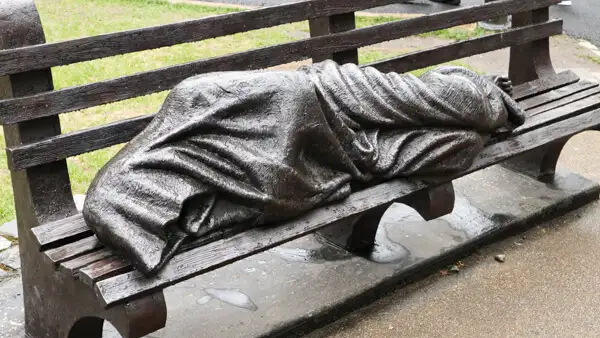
x=582, y=19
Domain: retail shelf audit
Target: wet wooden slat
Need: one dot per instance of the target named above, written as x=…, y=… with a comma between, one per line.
x=561, y=113
x=71, y=267
x=557, y=94
x=475, y=46
x=565, y=101
x=54, y=234
x=79, y=142
x=103, y=269
x=73, y=250
x=80, y=97
x=75, y=143
x=544, y=85
x=201, y=260
x=105, y=45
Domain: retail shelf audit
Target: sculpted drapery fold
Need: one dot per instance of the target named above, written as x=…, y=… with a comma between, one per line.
x=250, y=148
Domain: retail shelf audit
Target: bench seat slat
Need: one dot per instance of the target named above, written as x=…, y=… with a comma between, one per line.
x=557, y=94
x=105, y=45
x=103, y=269
x=80, y=97
x=564, y=102
x=79, y=142
x=73, y=250
x=561, y=113
x=72, y=266
x=200, y=260
x=544, y=85
x=64, y=231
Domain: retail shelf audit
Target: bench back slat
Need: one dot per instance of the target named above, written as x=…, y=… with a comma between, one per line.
x=82, y=141
x=105, y=45
x=85, y=96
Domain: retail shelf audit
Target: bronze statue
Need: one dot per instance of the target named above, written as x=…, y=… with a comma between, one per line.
x=243, y=149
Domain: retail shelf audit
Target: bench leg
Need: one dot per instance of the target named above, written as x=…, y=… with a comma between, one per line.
x=434, y=202
x=58, y=306
x=357, y=234
x=539, y=163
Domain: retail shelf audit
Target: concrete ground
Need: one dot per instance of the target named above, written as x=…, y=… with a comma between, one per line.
x=547, y=287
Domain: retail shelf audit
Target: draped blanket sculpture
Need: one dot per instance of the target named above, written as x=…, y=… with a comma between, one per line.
x=249, y=148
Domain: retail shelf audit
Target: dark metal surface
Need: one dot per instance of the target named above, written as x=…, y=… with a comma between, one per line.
x=253, y=148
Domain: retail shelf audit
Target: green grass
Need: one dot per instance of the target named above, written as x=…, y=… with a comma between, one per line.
x=68, y=19
x=595, y=59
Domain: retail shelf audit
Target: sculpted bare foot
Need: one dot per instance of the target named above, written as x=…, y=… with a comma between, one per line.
x=502, y=82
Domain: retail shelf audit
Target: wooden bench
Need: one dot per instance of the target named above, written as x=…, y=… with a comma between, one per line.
x=71, y=283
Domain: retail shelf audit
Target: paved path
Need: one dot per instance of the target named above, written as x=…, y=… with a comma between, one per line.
x=548, y=286
x=581, y=19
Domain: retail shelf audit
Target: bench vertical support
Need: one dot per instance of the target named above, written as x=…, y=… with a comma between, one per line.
x=530, y=62
x=55, y=305
x=331, y=25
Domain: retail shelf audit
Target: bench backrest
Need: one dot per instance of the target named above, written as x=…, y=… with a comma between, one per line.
x=29, y=107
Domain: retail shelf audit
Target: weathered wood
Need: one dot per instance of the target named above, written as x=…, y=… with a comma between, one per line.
x=80, y=97
x=41, y=194
x=532, y=60
x=544, y=85
x=217, y=254
x=73, y=250
x=103, y=269
x=105, y=45
x=54, y=234
x=75, y=143
x=71, y=267
x=454, y=51
x=331, y=25
x=561, y=113
x=557, y=94
x=563, y=102
x=79, y=142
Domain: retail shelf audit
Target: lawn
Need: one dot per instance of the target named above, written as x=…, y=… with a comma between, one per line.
x=67, y=19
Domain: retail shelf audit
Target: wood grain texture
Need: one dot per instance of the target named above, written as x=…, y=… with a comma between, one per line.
x=557, y=94
x=95, y=47
x=73, y=250
x=563, y=102
x=75, y=143
x=561, y=113
x=103, y=269
x=214, y=255
x=71, y=267
x=532, y=60
x=80, y=97
x=458, y=50
x=544, y=85
x=66, y=230
x=87, y=140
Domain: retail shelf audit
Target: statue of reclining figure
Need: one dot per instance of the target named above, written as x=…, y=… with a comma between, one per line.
x=250, y=148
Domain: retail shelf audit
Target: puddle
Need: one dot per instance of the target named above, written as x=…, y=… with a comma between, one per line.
x=230, y=296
